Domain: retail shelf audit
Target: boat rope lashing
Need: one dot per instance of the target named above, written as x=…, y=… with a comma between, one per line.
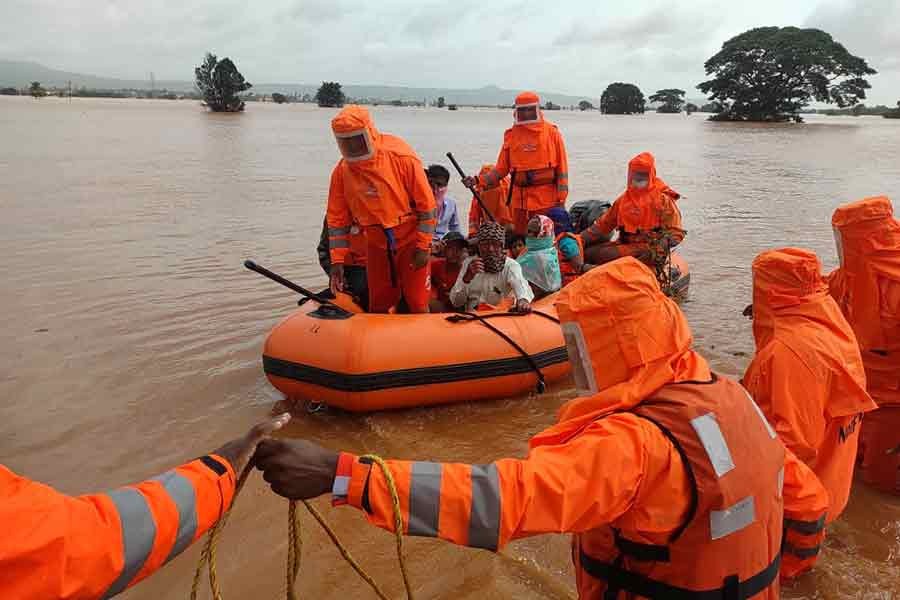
x=467, y=317
x=295, y=542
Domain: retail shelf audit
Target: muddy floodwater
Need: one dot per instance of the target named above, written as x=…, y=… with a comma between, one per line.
x=131, y=334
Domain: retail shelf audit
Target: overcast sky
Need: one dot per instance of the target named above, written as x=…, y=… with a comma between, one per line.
x=572, y=46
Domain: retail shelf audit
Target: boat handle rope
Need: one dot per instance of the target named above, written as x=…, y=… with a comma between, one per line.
x=295, y=543
x=467, y=317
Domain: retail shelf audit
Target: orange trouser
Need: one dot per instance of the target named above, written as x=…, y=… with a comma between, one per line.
x=386, y=290
x=879, y=455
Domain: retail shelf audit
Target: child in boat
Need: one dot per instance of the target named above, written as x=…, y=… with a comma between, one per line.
x=540, y=263
x=491, y=276
x=445, y=270
x=515, y=245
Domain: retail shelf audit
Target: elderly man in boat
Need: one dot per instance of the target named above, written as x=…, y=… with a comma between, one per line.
x=492, y=276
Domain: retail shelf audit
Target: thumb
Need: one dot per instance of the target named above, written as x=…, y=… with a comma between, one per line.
x=265, y=428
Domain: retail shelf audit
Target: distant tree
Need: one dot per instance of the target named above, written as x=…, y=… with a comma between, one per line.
x=279, y=98
x=330, y=94
x=441, y=102
x=220, y=82
x=9, y=91
x=551, y=106
x=691, y=108
x=396, y=102
x=893, y=114
x=672, y=100
x=772, y=73
x=585, y=105
x=622, y=99
x=712, y=107
x=36, y=90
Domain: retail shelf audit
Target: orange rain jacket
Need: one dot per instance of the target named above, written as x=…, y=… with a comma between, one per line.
x=665, y=472
x=494, y=197
x=807, y=375
x=387, y=191
x=867, y=288
x=537, y=154
x=94, y=546
x=638, y=211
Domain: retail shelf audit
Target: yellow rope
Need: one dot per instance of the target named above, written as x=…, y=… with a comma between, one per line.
x=295, y=542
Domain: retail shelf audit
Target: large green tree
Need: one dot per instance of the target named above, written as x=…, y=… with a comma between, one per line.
x=772, y=73
x=622, y=99
x=671, y=100
x=36, y=90
x=330, y=94
x=220, y=82
x=585, y=105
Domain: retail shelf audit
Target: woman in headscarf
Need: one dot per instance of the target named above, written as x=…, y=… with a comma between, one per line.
x=540, y=263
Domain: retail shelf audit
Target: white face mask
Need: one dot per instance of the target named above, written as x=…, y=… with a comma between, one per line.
x=639, y=184
x=839, y=244
x=582, y=369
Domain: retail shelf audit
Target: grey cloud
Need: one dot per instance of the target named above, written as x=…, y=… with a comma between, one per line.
x=867, y=28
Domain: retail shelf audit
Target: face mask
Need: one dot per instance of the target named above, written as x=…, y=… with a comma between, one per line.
x=355, y=145
x=639, y=184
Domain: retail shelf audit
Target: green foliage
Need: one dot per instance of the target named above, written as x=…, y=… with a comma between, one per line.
x=691, y=108
x=278, y=98
x=672, y=100
x=440, y=102
x=550, y=106
x=330, y=94
x=772, y=73
x=622, y=99
x=712, y=107
x=9, y=91
x=585, y=105
x=36, y=90
x=220, y=82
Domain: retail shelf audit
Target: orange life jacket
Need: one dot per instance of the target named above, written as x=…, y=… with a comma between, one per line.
x=729, y=545
x=569, y=274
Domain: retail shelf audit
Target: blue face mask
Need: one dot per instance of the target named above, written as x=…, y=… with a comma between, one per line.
x=535, y=244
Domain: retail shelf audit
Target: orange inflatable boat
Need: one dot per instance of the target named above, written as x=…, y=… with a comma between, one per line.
x=365, y=362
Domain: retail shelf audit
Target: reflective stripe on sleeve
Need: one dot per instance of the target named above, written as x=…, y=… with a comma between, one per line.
x=802, y=553
x=182, y=493
x=138, y=535
x=425, y=215
x=338, y=231
x=806, y=527
x=426, y=227
x=484, y=518
x=338, y=244
x=424, y=499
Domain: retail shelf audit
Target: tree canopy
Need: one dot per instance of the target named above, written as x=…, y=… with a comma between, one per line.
x=220, y=82
x=672, y=100
x=441, y=102
x=36, y=90
x=622, y=99
x=279, y=98
x=772, y=73
x=330, y=94
x=585, y=105
x=691, y=108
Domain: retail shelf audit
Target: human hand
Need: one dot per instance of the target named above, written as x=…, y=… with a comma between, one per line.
x=475, y=267
x=336, y=279
x=239, y=451
x=296, y=469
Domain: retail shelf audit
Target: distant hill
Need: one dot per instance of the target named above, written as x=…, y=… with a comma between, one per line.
x=20, y=74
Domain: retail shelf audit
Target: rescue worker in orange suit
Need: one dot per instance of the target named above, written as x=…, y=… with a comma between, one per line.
x=380, y=184
x=355, y=283
x=647, y=208
x=807, y=375
x=494, y=197
x=95, y=546
x=534, y=152
x=668, y=474
x=866, y=286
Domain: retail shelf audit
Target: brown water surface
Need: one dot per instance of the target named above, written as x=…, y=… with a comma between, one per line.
x=131, y=335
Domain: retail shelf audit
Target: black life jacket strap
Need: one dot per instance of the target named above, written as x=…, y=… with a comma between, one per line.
x=628, y=581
